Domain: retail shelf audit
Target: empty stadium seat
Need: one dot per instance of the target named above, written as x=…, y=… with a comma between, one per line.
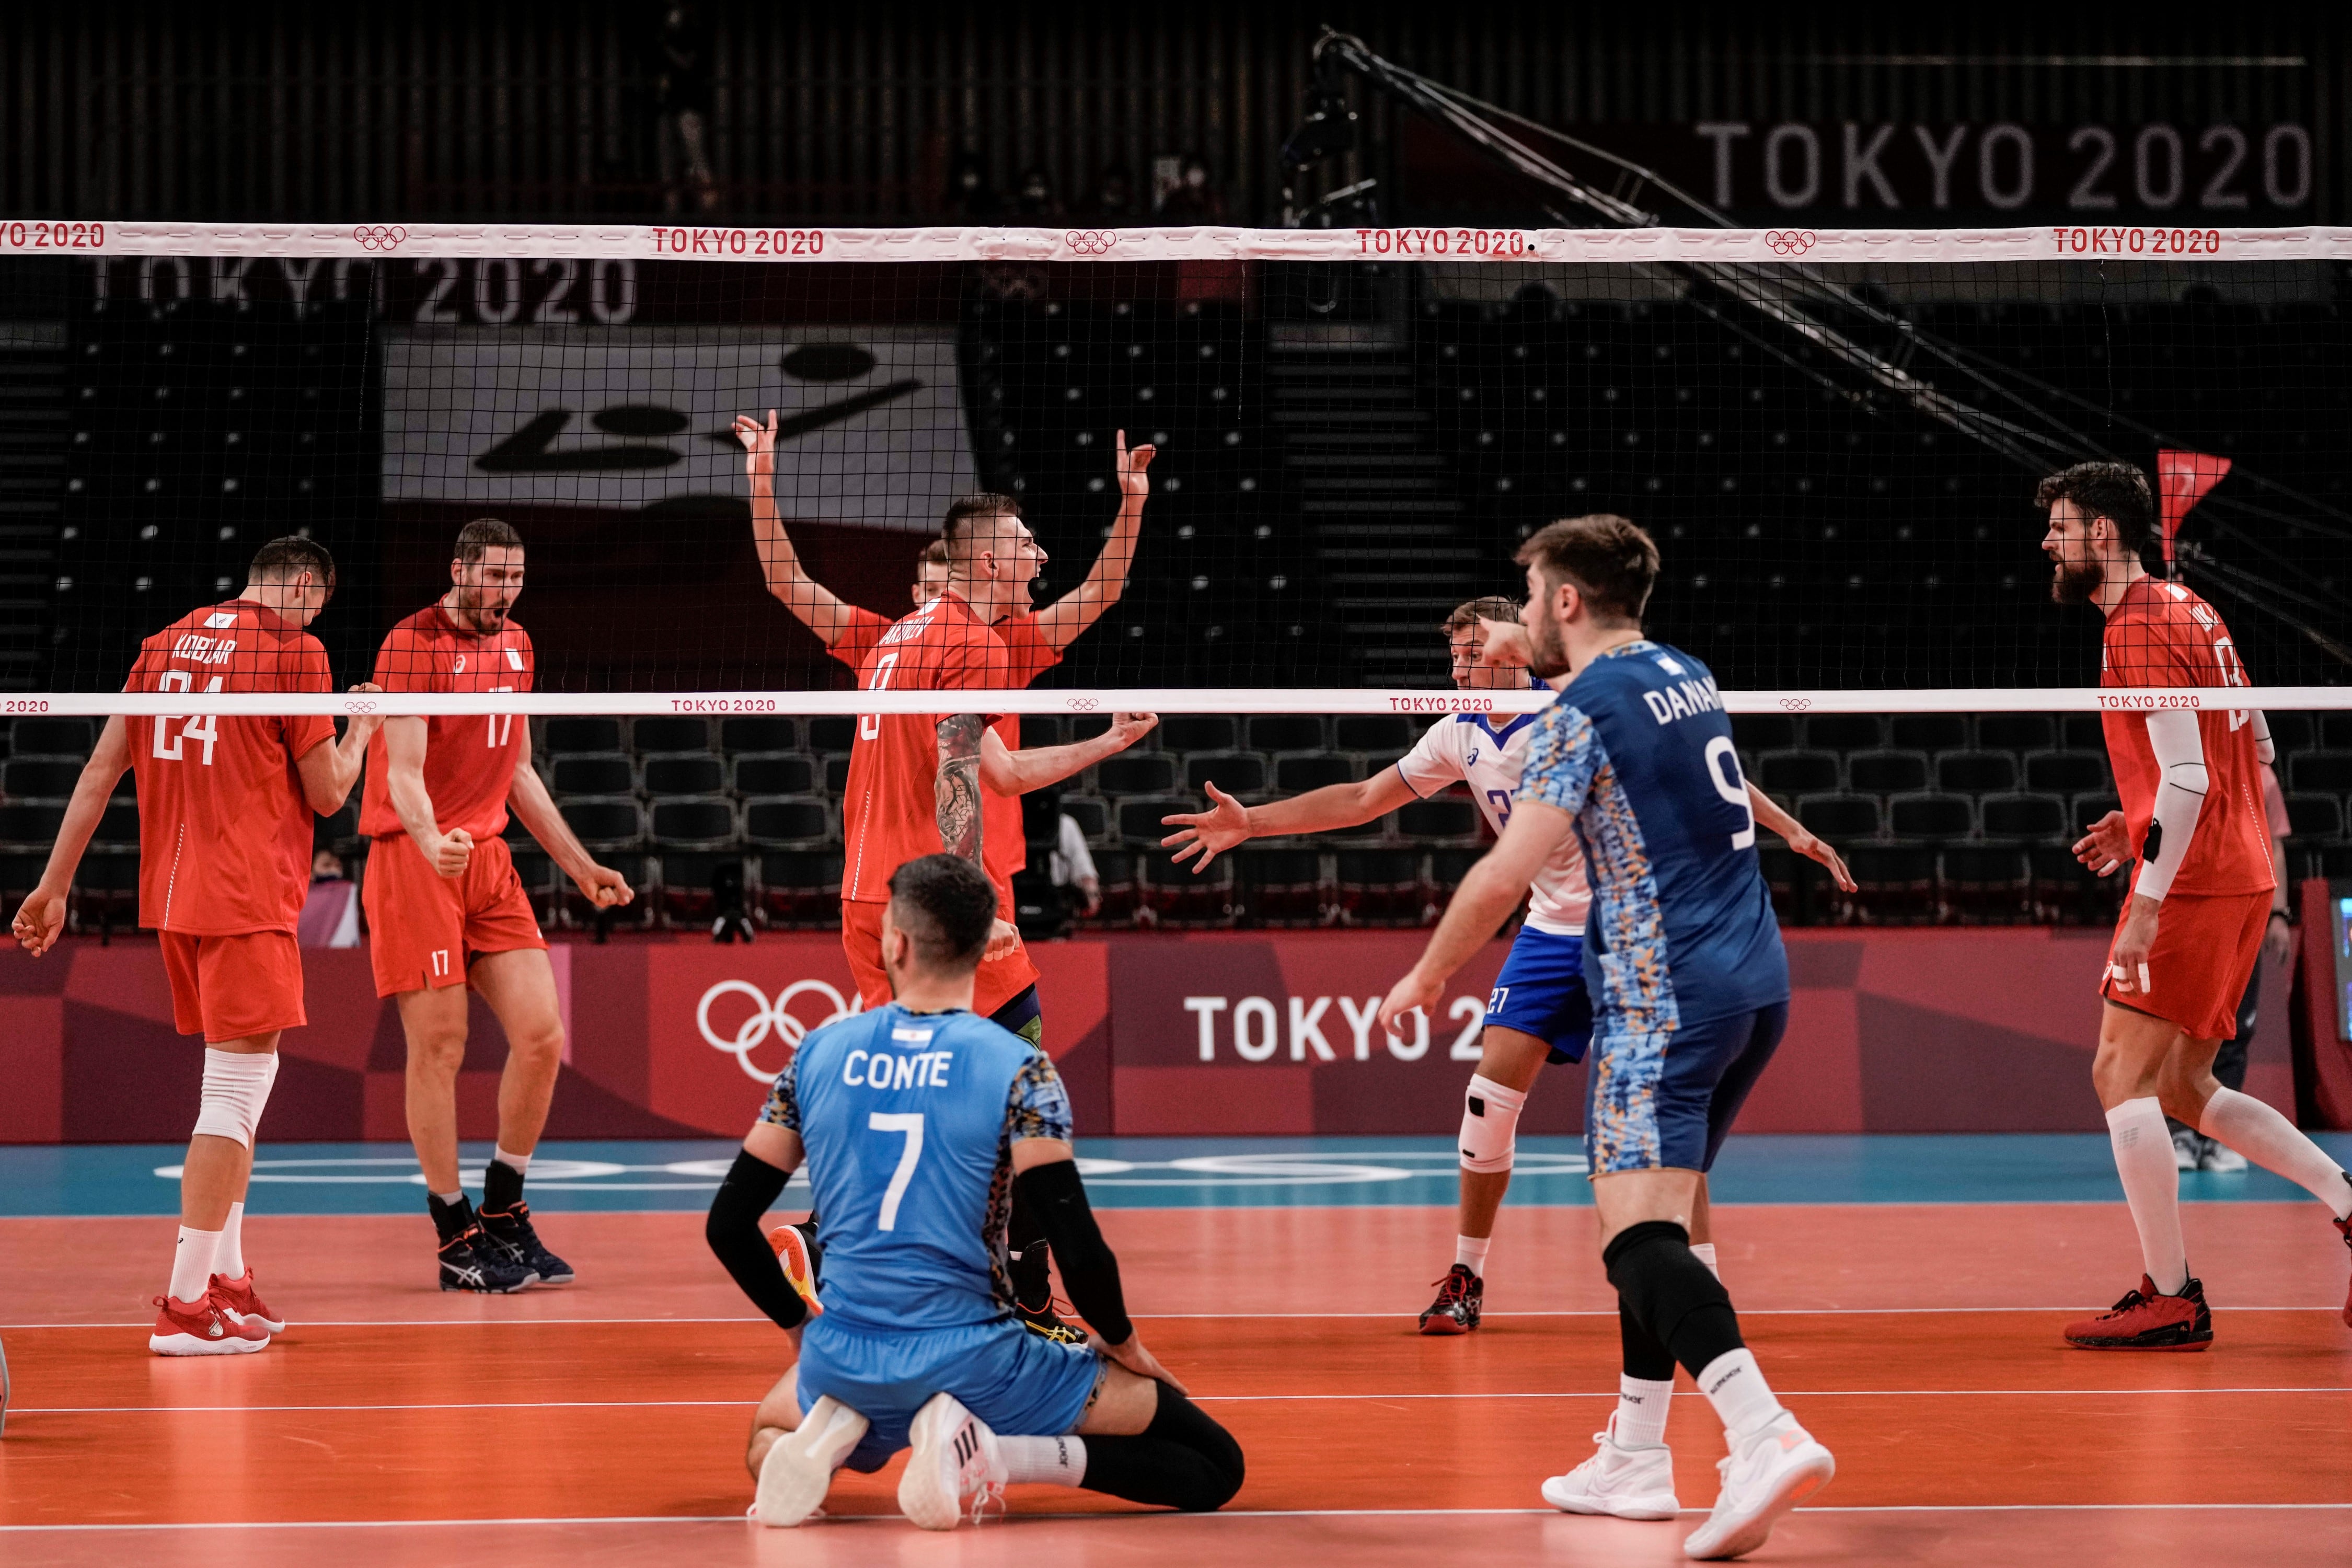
x=1285, y=732
x=1839, y=818
x=2017, y=732
x=1199, y=732
x=675, y=774
x=1122, y=888
x=788, y=773
x=2335, y=732
x=1886, y=773
x=44, y=737
x=39, y=778
x=609, y=772
x=35, y=827
x=832, y=732
x=2066, y=773
x=1177, y=896
x=1983, y=884
x=2024, y=818
x=1285, y=887
x=1755, y=732
x=2067, y=892
x=2291, y=732
x=1845, y=731
x=2086, y=809
x=1930, y=818
x=670, y=732
x=1092, y=815
x=2316, y=817
x=1976, y=773
x=1136, y=773
x=790, y=822
x=571, y=733
x=800, y=887
x=1383, y=732
x=1235, y=772
x=747, y=733
x=1441, y=819
x=603, y=824
x=635, y=869
x=1894, y=885
x=1786, y=774
x=836, y=773
x=1298, y=774
x=1380, y=886
x=2083, y=732
x=1929, y=732
x=1139, y=819
x=692, y=823
x=2328, y=772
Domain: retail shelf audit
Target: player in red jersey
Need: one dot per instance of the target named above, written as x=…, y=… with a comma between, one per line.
x=923, y=784
x=2193, y=924
x=225, y=806
x=446, y=912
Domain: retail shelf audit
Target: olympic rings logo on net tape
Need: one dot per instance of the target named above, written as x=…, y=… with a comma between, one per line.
x=1083, y=704
x=1796, y=704
x=770, y=1019
x=1090, y=241
x=1790, y=241
x=380, y=235
x=357, y=706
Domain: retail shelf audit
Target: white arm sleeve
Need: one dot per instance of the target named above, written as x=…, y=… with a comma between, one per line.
x=2266, y=749
x=2179, y=796
x=1077, y=860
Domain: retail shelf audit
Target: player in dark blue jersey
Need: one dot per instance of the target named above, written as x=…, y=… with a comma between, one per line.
x=918, y=1120
x=1635, y=757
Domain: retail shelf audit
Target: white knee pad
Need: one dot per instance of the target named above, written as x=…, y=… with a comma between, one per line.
x=237, y=1086
x=1490, y=1124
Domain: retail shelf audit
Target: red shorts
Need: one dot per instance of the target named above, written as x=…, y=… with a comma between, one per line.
x=234, y=987
x=424, y=928
x=861, y=939
x=2204, y=954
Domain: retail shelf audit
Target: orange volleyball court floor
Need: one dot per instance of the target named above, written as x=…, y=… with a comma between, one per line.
x=604, y=1422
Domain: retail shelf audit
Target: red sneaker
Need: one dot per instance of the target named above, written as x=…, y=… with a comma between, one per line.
x=2146, y=1320
x=244, y=1304
x=203, y=1327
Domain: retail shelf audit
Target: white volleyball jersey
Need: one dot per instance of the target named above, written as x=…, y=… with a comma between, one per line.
x=1470, y=748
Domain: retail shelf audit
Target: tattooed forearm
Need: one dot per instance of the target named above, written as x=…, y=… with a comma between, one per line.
x=958, y=784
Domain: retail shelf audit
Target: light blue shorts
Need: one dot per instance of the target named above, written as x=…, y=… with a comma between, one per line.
x=1019, y=1383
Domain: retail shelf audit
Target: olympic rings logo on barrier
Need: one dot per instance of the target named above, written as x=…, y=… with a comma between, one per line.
x=1090, y=241
x=767, y=1019
x=1790, y=242
x=380, y=235
x=1795, y=704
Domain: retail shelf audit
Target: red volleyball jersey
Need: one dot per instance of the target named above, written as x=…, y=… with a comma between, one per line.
x=469, y=762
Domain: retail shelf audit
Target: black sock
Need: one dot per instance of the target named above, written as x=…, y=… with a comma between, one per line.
x=1669, y=1292
x=1183, y=1459
x=1645, y=1358
x=1028, y=1259
x=451, y=1220
x=502, y=1186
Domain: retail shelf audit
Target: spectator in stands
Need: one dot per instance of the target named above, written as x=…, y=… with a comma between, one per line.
x=1114, y=197
x=1071, y=865
x=2191, y=1150
x=331, y=913
x=680, y=59
x=1036, y=197
x=1046, y=901
x=1193, y=199
x=969, y=193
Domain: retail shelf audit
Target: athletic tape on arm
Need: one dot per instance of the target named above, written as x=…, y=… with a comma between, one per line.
x=2179, y=797
x=1490, y=1124
x=236, y=1087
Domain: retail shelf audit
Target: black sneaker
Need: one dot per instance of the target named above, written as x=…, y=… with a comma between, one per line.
x=511, y=1229
x=1049, y=1324
x=1459, y=1296
x=472, y=1261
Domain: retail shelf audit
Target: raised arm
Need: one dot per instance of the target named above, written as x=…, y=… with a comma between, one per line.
x=1060, y=622
x=816, y=606
x=1004, y=770
x=527, y=798
x=330, y=768
x=1228, y=822
x=42, y=916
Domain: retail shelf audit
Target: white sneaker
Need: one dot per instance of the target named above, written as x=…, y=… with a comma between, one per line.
x=955, y=1457
x=2185, y=1148
x=1763, y=1478
x=798, y=1470
x=2222, y=1159
x=1630, y=1483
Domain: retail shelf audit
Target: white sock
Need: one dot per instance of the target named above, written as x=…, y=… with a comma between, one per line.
x=452, y=1200
x=1642, y=1412
x=228, y=1259
x=2152, y=1187
x=1053, y=1461
x=192, y=1264
x=2272, y=1142
x=1470, y=1251
x=518, y=1164
x=1704, y=1252
x=1735, y=1385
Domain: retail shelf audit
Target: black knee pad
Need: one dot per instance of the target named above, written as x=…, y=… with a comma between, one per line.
x=1180, y=1421
x=1670, y=1292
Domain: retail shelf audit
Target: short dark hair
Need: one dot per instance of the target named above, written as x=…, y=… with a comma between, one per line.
x=290, y=555
x=935, y=554
x=1612, y=561
x=947, y=906
x=961, y=512
x=484, y=534
x=2116, y=492
x=1470, y=612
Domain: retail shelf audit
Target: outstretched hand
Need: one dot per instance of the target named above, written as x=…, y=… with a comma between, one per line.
x=1813, y=847
x=2106, y=846
x=759, y=443
x=1130, y=464
x=1207, y=833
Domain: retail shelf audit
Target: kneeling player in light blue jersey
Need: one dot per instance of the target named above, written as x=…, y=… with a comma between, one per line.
x=1539, y=1010
x=1635, y=759
x=917, y=1122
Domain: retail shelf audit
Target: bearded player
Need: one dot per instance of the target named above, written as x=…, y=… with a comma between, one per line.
x=2199, y=906
x=447, y=914
x=927, y=784
x=225, y=806
x=1539, y=1010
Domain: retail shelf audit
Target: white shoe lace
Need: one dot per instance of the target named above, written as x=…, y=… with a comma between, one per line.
x=987, y=1503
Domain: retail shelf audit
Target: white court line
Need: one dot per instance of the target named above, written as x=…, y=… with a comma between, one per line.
x=1136, y=1518
x=1197, y=1398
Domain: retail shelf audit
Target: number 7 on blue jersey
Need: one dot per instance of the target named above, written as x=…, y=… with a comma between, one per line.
x=909, y=1122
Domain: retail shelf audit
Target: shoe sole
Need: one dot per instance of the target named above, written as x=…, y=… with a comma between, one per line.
x=517, y=1288
x=1650, y=1506
x=2206, y=1343
x=189, y=1344
x=791, y=1249
x=798, y=1471
x=1793, y=1488
x=929, y=1500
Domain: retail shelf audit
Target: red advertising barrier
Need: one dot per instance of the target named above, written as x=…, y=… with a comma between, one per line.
x=1890, y=1031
